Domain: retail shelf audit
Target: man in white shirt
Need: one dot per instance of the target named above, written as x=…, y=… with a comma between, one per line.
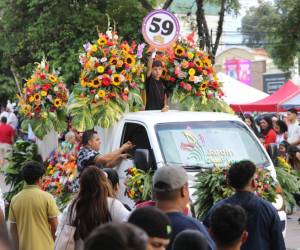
x=293, y=128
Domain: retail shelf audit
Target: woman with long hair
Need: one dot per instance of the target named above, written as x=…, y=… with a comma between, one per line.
x=267, y=131
x=93, y=205
x=249, y=120
x=281, y=130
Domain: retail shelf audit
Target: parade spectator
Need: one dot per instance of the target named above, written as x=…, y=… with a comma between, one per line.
x=156, y=90
x=267, y=131
x=93, y=206
x=281, y=131
x=190, y=240
x=113, y=177
x=12, y=119
x=155, y=223
x=263, y=225
x=33, y=212
x=117, y=236
x=274, y=119
x=293, y=128
x=228, y=227
x=68, y=146
x=7, y=135
x=249, y=120
x=170, y=190
x=89, y=152
x=283, y=150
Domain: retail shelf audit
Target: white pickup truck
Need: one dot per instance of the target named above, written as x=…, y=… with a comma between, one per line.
x=164, y=138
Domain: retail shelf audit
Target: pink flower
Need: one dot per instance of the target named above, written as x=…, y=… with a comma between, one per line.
x=133, y=85
x=182, y=84
x=188, y=87
x=209, y=95
x=172, y=79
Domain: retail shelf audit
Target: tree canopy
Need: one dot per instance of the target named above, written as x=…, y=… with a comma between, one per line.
x=276, y=27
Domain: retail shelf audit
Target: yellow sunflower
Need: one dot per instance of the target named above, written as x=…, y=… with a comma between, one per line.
x=43, y=93
x=83, y=83
x=101, y=93
x=114, y=51
x=37, y=97
x=100, y=69
x=96, y=83
x=31, y=98
x=192, y=72
x=203, y=86
x=130, y=60
x=52, y=78
x=30, y=82
x=113, y=61
x=199, y=63
x=57, y=102
x=116, y=79
x=190, y=55
x=94, y=48
x=102, y=41
x=179, y=51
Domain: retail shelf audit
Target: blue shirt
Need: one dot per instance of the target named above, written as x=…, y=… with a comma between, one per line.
x=263, y=226
x=181, y=222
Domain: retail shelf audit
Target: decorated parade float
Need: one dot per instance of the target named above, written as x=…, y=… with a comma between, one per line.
x=112, y=83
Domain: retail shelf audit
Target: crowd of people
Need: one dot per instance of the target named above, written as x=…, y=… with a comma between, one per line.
x=284, y=133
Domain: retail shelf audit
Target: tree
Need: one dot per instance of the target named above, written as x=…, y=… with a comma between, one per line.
x=254, y=24
x=205, y=39
x=276, y=27
x=56, y=29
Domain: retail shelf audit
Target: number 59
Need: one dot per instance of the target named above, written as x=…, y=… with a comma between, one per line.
x=166, y=26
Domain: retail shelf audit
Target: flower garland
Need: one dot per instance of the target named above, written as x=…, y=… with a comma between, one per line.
x=192, y=78
x=43, y=101
x=138, y=184
x=110, y=82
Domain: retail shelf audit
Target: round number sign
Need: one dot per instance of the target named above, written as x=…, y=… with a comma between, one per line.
x=160, y=28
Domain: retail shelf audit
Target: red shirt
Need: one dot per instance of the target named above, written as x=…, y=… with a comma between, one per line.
x=270, y=138
x=6, y=133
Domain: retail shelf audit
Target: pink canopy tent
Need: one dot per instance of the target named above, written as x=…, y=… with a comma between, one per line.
x=271, y=103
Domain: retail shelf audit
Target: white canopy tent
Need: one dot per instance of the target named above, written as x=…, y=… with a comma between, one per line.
x=237, y=92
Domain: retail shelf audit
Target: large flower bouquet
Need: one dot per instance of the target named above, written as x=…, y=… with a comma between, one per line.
x=138, y=184
x=61, y=176
x=288, y=180
x=110, y=83
x=192, y=77
x=212, y=186
x=43, y=101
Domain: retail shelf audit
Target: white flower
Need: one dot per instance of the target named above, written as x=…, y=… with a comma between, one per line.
x=103, y=59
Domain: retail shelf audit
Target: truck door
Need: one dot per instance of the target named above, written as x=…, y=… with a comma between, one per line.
x=137, y=134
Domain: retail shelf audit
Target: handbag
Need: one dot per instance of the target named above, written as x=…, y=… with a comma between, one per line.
x=65, y=240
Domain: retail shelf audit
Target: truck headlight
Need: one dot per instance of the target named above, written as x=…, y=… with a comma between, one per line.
x=278, y=204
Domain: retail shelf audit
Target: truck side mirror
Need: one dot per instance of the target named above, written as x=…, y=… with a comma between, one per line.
x=142, y=159
x=273, y=151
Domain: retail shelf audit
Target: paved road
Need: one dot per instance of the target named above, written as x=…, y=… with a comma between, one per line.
x=293, y=232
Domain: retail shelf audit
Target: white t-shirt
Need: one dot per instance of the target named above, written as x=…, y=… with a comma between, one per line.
x=12, y=120
x=117, y=211
x=293, y=132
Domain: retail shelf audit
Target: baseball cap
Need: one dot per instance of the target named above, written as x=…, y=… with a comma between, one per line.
x=153, y=221
x=169, y=178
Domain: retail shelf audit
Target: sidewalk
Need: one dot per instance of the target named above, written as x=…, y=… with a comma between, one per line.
x=292, y=239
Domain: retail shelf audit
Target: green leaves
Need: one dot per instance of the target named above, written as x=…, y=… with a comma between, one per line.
x=22, y=152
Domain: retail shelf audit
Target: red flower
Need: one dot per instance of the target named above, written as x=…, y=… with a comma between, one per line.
x=182, y=84
x=106, y=81
x=172, y=79
x=46, y=86
x=200, y=69
x=97, y=64
x=93, y=91
x=198, y=93
x=109, y=43
x=125, y=97
x=42, y=76
x=191, y=64
x=52, y=109
x=209, y=96
x=37, y=110
x=109, y=71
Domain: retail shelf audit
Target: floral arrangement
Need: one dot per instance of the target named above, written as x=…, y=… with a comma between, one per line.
x=192, y=78
x=110, y=82
x=288, y=180
x=211, y=187
x=61, y=176
x=138, y=184
x=43, y=101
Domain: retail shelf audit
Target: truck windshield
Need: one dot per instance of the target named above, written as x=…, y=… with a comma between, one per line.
x=208, y=144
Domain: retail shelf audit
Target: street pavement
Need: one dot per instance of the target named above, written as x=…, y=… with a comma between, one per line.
x=292, y=238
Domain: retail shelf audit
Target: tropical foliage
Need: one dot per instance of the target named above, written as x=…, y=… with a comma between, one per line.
x=22, y=152
x=43, y=101
x=110, y=82
x=212, y=186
